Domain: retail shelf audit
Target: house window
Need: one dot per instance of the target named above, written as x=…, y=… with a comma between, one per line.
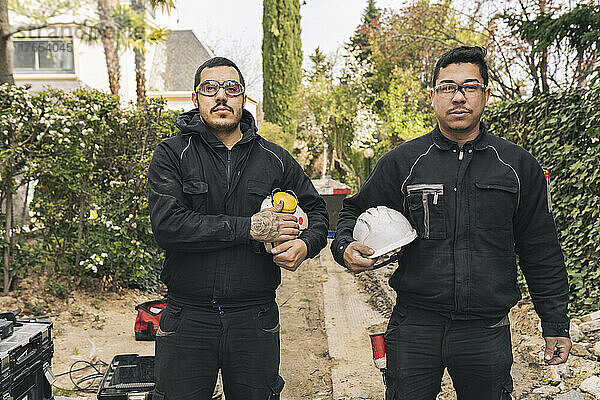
x=43, y=55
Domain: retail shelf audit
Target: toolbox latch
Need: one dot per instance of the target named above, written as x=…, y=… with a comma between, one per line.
x=49, y=374
x=137, y=396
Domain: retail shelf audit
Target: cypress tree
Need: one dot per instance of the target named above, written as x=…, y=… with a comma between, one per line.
x=360, y=41
x=282, y=62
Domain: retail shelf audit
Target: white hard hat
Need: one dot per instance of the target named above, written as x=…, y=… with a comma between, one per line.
x=384, y=230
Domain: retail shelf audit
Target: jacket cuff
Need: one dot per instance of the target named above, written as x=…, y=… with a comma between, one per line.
x=339, y=249
x=555, y=329
x=309, y=253
x=241, y=230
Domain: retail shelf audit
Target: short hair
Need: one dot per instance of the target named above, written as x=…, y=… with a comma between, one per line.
x=463, y=54
x=217, y=62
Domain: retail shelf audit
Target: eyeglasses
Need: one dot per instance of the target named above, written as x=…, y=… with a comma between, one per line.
x=469, y=89
x=210, y=88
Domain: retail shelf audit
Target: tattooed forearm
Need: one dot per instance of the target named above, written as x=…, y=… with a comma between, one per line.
x=264, y=226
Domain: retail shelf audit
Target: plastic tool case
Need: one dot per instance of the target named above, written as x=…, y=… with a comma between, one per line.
x=128, y=377
x=25, y=359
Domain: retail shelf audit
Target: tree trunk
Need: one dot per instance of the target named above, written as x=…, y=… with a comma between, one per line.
x=534, y=74
x=108, y=42
x=24, y=214
x=7, y=238
x=6, y=70
x=345, y=167
x=140, y=75
x=544, y=72
x=80, y=223
x=140, y=56
x=324, y=170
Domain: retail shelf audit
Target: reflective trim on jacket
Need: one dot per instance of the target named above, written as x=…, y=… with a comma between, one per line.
x=201, y=198
x=475, y=209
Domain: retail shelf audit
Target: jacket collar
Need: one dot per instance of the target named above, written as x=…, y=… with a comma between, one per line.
x=443, y=143
x=190, y=123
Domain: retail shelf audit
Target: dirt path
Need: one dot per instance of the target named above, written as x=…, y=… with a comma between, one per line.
x=96, y=325
x=348, y=318
x=305, y=362
x=321, y=336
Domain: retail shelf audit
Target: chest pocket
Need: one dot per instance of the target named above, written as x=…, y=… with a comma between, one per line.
x=257, y=192
x=427, y=210
x=196, y=191
x=495, y=204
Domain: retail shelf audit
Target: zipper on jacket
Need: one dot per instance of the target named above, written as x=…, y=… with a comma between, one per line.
x=426, y=189
x=460, y=154
x=228, y=168
x=426, y=213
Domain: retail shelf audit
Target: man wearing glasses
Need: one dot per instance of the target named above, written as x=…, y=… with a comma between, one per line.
x=477, y=201
x=206, y=186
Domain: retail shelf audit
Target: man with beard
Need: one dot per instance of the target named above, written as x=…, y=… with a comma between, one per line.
x=206, y=186
x=476, y=202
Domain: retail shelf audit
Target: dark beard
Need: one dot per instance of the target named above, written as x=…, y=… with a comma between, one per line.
x=222, y=127
x=225, y=128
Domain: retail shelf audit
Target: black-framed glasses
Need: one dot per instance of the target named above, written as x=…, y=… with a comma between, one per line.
x=211, y=87
x=469, y=89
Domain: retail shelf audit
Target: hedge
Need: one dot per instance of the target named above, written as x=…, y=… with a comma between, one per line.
x=87, y=157
x=562, y=130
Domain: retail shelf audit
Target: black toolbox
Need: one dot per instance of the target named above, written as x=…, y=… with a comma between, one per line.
x=128, y=377
x=25, y=360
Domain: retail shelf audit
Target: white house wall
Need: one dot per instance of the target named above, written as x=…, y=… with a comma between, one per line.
x=89, y=61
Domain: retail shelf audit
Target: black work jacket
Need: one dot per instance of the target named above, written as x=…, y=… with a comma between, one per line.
x=474, y=208
x=201, y=198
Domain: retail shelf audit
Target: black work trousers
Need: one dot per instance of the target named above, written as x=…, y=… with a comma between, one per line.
x=193, y=343
x=420, y=344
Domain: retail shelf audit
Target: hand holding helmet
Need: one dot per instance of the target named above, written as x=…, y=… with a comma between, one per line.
x=356, y=257
x=381, y=232
x=286, y=203
x=271, y=224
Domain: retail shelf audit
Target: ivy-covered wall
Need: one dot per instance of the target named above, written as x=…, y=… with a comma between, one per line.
x=282, y=62
x=562, y=130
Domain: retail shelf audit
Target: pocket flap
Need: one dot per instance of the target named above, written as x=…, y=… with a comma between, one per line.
x=259, y=187
x=194, y=186
x=507, y=188
x=277, y=386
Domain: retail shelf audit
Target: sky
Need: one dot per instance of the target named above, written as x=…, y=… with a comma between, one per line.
x=324, y=23
x=235, y=26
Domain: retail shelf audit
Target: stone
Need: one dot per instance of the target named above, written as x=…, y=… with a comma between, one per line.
x=580, y=350
x=583, y=366
x=592, y=316
x=575, y=332
x=596, y=349
x=558, y=372
x=591, y=385
x=572, y=395
x=590, y=326
x=546, y=391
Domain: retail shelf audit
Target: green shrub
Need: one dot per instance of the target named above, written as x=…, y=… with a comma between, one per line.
x=562, y=130
x=89, y=211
